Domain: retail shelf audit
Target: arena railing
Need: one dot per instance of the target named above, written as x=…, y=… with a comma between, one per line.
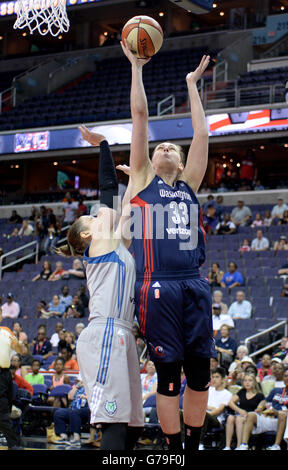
x=34, y=252
x=264, y=332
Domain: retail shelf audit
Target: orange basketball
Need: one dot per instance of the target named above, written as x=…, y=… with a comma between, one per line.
x=144, y=36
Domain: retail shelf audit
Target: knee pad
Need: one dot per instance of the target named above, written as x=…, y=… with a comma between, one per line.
x=197, y=372
x=169, y=378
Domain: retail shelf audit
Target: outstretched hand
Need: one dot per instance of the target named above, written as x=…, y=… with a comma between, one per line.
x=132, y=57
x=124, y=168
x=92, y=137
x=193, y=77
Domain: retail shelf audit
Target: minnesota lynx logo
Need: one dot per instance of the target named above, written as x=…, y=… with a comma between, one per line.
x=110, y=407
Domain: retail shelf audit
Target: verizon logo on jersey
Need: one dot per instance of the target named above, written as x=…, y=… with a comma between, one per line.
x=181, y=194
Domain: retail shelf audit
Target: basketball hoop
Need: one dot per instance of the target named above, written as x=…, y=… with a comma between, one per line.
x=44, y=16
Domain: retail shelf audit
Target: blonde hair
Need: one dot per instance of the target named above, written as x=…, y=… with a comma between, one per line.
x=256, y=388
x=76, y=244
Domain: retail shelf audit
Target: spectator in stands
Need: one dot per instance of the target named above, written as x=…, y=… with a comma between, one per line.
x=81, y=292
x=65, y=297
x=241, y=308
x=17, y=329
x=55, y=308
x=55, y=338
x=220, y=208
x=15, y=233
x=265, y=367
x=42, y=305
x=210, y=220
x=59, y=378
x=267, y=219
x=52, y=237
x=34, y=214
x=215, y=275
x=26, y=229
x=258, y=221
x=42, y=345
x=226, y=347
x=219, y=319
x=217, y=298
x=78, y=329
x=76, y=415
x=246, y=361
x=26, y=358
x=276, y=379
x=76, y=272
x=245, y=400
x=232, y=278
x=282, y=351
x=278, y=209
x=218, y=399
x=35, y=378
x=16, y=362
x=20, y=382
x=75, y=310
x=267, y=418
x=10, y=309
x=258, y=186
x=225, y=227
x=281, y=244
x=69, y=210
x=149, y=383
x=70, y=364
x=260, y=243
x=45, y=272
x=57, y=273
x=69, y=337
x=284, y=219
x=82, y=209
x=245, y=246
x=241, y=215
x=284, y=292
x=209, y=203
x=241, y=352
x=15, y=218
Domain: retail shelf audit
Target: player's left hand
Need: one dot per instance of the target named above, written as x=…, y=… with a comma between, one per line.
x=124, y=168
x=193, y=77
x=92, y=137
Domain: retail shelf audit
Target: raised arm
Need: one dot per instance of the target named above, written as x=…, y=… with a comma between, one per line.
x=140, y=164
x=197, y=159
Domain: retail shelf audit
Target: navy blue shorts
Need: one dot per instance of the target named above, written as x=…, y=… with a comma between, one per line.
x=175, y=316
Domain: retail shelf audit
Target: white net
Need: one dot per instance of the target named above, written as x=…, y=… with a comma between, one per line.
x=44, y=16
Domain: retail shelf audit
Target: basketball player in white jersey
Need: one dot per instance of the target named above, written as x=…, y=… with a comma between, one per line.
x=106, y=349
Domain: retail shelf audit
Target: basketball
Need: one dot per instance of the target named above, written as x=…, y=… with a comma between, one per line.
x=144, y=36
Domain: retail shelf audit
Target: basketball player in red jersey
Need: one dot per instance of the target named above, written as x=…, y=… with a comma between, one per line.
x=173, y=304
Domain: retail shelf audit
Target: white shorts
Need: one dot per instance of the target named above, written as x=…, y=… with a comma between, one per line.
x=109, y=367
x=265, y=424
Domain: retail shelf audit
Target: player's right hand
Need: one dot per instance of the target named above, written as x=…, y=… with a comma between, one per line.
x=92, y=137
x=132, y=57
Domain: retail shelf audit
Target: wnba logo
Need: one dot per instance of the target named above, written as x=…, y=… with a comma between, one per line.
x=159, y=351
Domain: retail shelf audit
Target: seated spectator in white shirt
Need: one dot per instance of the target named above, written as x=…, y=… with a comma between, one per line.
x=260, y=243
x=218, y=399
x=267, y=219
x=241, y=308
x=26, y=229
x=219, y=319
x=279, y=208
x=10, y=309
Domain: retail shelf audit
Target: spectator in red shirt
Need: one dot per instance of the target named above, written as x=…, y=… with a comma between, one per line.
x=265, y=368
x=82, y=209
x=20, y=382
x=57, y=273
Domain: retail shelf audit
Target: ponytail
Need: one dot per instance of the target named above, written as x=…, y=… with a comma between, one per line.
x=76, y=245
